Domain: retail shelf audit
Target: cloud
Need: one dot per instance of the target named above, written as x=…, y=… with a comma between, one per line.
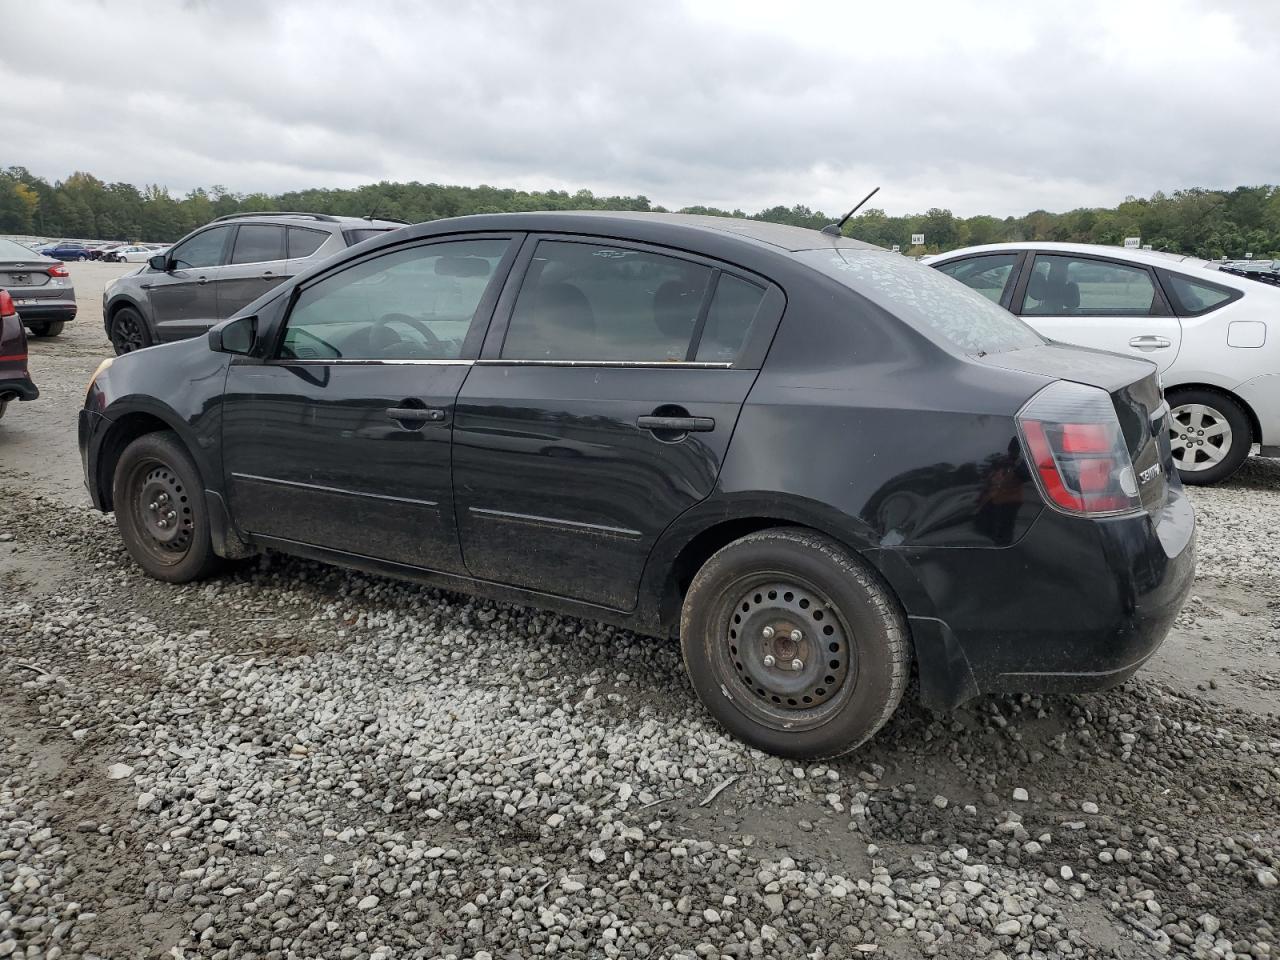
x=983, y=108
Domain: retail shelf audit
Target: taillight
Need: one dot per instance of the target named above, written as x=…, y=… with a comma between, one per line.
x=1077, y=451
x=7, y=309
x=57, y=270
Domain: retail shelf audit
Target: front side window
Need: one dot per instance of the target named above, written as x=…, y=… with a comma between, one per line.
x=986, y=275
x=1063, y=286
x=258, y=243
x=202, y=250
x=1195, y=297
x=585, y=301
x=415, y=304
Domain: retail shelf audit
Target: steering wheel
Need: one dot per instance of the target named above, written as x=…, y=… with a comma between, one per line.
x=388, y=343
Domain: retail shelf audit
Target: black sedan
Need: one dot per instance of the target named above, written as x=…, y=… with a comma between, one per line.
x=814, y=461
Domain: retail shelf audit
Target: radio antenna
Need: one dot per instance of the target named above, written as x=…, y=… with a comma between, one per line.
x=833, y=229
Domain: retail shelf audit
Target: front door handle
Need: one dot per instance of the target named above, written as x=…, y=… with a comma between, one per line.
x=268, y=275
x=677, y=424
x=1150, y=342
x=203, y=280
x=414, y=418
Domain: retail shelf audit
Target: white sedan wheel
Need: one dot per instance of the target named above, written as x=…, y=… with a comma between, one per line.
x=1199, y=435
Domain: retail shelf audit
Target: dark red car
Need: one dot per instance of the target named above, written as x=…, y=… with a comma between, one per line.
x=15, y=380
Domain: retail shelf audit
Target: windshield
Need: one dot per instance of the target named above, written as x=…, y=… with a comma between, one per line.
x=929, y=301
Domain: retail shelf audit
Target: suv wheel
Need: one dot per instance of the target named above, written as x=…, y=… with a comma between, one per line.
x=50, y=328
x=160, y=509
x=129, y=331
x=1209, y=433
x=795, y=646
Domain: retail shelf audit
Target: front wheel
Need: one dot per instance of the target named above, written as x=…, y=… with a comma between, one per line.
x=1209, y=433
x=160, y=509
x=129, y=331
x=794, y=645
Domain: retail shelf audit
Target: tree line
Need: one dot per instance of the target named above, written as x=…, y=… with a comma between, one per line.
x=1203, y=222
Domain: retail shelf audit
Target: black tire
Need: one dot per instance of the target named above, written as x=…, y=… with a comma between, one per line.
x=1210, y=433
x=4, y=405
x=48, y=328
x=129, y=331
x=157, y=481
x=850, y=628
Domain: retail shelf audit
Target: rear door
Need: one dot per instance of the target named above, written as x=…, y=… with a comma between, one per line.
x=1099, y=302
x=258, y=262
x=601, y=408
x=184, y=298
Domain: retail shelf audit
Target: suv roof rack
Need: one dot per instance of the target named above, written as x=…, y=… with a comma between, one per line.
x=277, y=213
x=372, y=218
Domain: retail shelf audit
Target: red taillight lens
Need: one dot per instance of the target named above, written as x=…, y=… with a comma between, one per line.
x=1077, y=450
x=57, y=270
x=7, y=309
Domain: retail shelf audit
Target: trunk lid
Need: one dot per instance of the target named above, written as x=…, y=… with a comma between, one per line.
x=24, y=274
x=1134, y=387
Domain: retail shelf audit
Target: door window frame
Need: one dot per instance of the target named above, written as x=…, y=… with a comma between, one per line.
x=480, y=320
x=1020, y=258
x=1160, y=306
x=759, y=336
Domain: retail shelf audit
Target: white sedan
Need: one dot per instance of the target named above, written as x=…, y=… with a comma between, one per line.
x=1205, y=328
x=136, y=254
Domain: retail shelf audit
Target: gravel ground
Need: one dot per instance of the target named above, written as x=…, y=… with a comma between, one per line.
x=298, y=761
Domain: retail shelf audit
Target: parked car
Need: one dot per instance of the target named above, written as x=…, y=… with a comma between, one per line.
x=103, y=251
x=134, y=254
x=213, y=272
x=40, y=287
x=15, y=379
x=812, y=460
x=1206, y=329
x=66, y=250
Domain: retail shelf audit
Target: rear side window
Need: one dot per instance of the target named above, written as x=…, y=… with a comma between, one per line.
x=583, y=301
x=1195, y=296
x=986, y=275
x=733, y=308
x=1062, y=286
x=304, y=242
x=925, y=299
x=258, y=243
x=357, y=234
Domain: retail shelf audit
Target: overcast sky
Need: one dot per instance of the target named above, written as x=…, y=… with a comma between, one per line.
x=980, y=107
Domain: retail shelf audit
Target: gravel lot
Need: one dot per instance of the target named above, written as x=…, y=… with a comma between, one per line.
x=299, y=761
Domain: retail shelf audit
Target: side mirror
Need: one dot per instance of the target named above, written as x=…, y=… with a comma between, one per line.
x=236, y=336
x=160, y=262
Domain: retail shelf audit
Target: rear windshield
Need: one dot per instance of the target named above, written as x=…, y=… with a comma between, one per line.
x=12, y=250
x=357, y=234
x=931, y=302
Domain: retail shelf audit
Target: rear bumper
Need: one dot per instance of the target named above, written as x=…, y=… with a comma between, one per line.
x=17, y=388
x=1262, y=394
x=47, y=310
x=1075, y=606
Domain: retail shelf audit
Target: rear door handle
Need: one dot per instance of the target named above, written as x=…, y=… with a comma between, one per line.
x=203, y=280
x=677, y=424
x=1150, y=342
x=268, y=275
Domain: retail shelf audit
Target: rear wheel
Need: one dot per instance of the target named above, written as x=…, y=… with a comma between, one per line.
x=49, y=328
x=129, y=331
x=795, y=646
x=1209, y=433
x=160, y=509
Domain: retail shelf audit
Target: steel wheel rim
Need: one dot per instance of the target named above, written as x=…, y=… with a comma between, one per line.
x=778, y=679
x=161, y=510
x=1199, y=436
x=126, y=333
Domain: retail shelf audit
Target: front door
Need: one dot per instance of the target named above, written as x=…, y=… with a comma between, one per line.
x=600, y=414
x=1101, y=303
x=184, y=297
x=342, y=438
x=258, y=262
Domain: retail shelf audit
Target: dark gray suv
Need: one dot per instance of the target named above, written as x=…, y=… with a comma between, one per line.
x=211, y=273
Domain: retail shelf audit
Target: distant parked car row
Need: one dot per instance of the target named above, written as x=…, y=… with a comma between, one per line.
x=1206, y=329
x=78, y=250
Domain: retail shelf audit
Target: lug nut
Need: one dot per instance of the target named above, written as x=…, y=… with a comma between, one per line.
x=162, y=524
x=768, y=660
x=153, y=506
x=767, y=633
x=796, y=636
x=797, y=664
